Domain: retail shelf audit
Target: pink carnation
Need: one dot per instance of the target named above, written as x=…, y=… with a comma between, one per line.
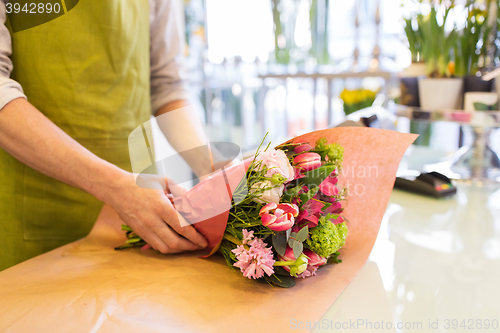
x=255, y=261
x=247, y=236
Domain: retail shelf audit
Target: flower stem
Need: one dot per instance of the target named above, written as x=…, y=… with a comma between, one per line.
x=284, y=263
x=232, y=239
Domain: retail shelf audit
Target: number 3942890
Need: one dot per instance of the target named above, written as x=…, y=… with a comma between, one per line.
x=32, y=8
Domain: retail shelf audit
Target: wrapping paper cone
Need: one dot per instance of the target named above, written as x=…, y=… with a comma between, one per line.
x=371, y=159
x=87, y=286
x=368, y=165
x=206, y=206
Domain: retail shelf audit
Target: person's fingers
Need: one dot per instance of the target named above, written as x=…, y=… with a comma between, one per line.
x=189, y=232
x=145, y=231
x=171, y=198
x=167, y=183
x=179, y=224
x=154, y=182
x=175, y=189
x=162, y=238
x=152, y=216
x=173, y=240
x=155, y=241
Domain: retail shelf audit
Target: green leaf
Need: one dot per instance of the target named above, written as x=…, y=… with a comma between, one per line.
x=126, y=227
x=281, y=281
x=278, y=270
x=307, y=196
x=279, y=243
x=302, y=234
x=232, y=239
x=288, y=145
x=297, y=248
x=287, y=233
x=478, y=106
x=326, y=205
x=133, y=240
x=292, y=239
x=291, y=192
x=315, y=177
x=334, y=259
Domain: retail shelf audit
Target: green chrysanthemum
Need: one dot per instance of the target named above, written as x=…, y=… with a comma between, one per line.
x=334, y=151
x=327, y=238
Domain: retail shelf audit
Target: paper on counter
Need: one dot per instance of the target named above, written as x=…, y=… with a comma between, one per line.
x=87, y=286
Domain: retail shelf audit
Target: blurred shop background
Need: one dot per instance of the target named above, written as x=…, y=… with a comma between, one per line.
x=287, y=67
x=262, y=66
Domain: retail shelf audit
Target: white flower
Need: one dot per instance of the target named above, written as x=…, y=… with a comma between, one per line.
x=273, y=194
x=277, y=162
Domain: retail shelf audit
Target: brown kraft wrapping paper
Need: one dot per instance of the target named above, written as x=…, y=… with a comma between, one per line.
x=87, y=286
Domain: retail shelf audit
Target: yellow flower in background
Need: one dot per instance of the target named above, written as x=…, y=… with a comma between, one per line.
x=451, y=68
x=200, y=32
x=371, y=94
x=348, y=96
x=357, y=99
x=478, y=14
x=357, y=95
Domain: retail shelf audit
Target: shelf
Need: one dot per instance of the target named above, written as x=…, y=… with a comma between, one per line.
x=475, y=119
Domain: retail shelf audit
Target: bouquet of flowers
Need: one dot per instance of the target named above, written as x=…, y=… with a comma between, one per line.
x=285, y=216
x=290, y=223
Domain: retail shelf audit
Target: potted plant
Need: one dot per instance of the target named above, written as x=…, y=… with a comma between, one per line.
x=439, y=90
x=497, y=53
x=318, y=18
x=470, y=49
x=409, y=79
x=415, y=44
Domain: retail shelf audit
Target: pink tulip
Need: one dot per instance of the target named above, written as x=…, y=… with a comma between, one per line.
x=307, y=161
x=314, y=258
x=302, y=148
x=314, y=261
x=279, y=217
x=295, y=266
x=268, y=208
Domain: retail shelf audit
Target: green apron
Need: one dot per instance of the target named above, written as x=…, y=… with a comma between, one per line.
x=88, y=71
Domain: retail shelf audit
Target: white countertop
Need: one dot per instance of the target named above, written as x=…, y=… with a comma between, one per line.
x=435, y=267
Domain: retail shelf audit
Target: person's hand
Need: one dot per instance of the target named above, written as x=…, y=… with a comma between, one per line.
x=150, y=213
